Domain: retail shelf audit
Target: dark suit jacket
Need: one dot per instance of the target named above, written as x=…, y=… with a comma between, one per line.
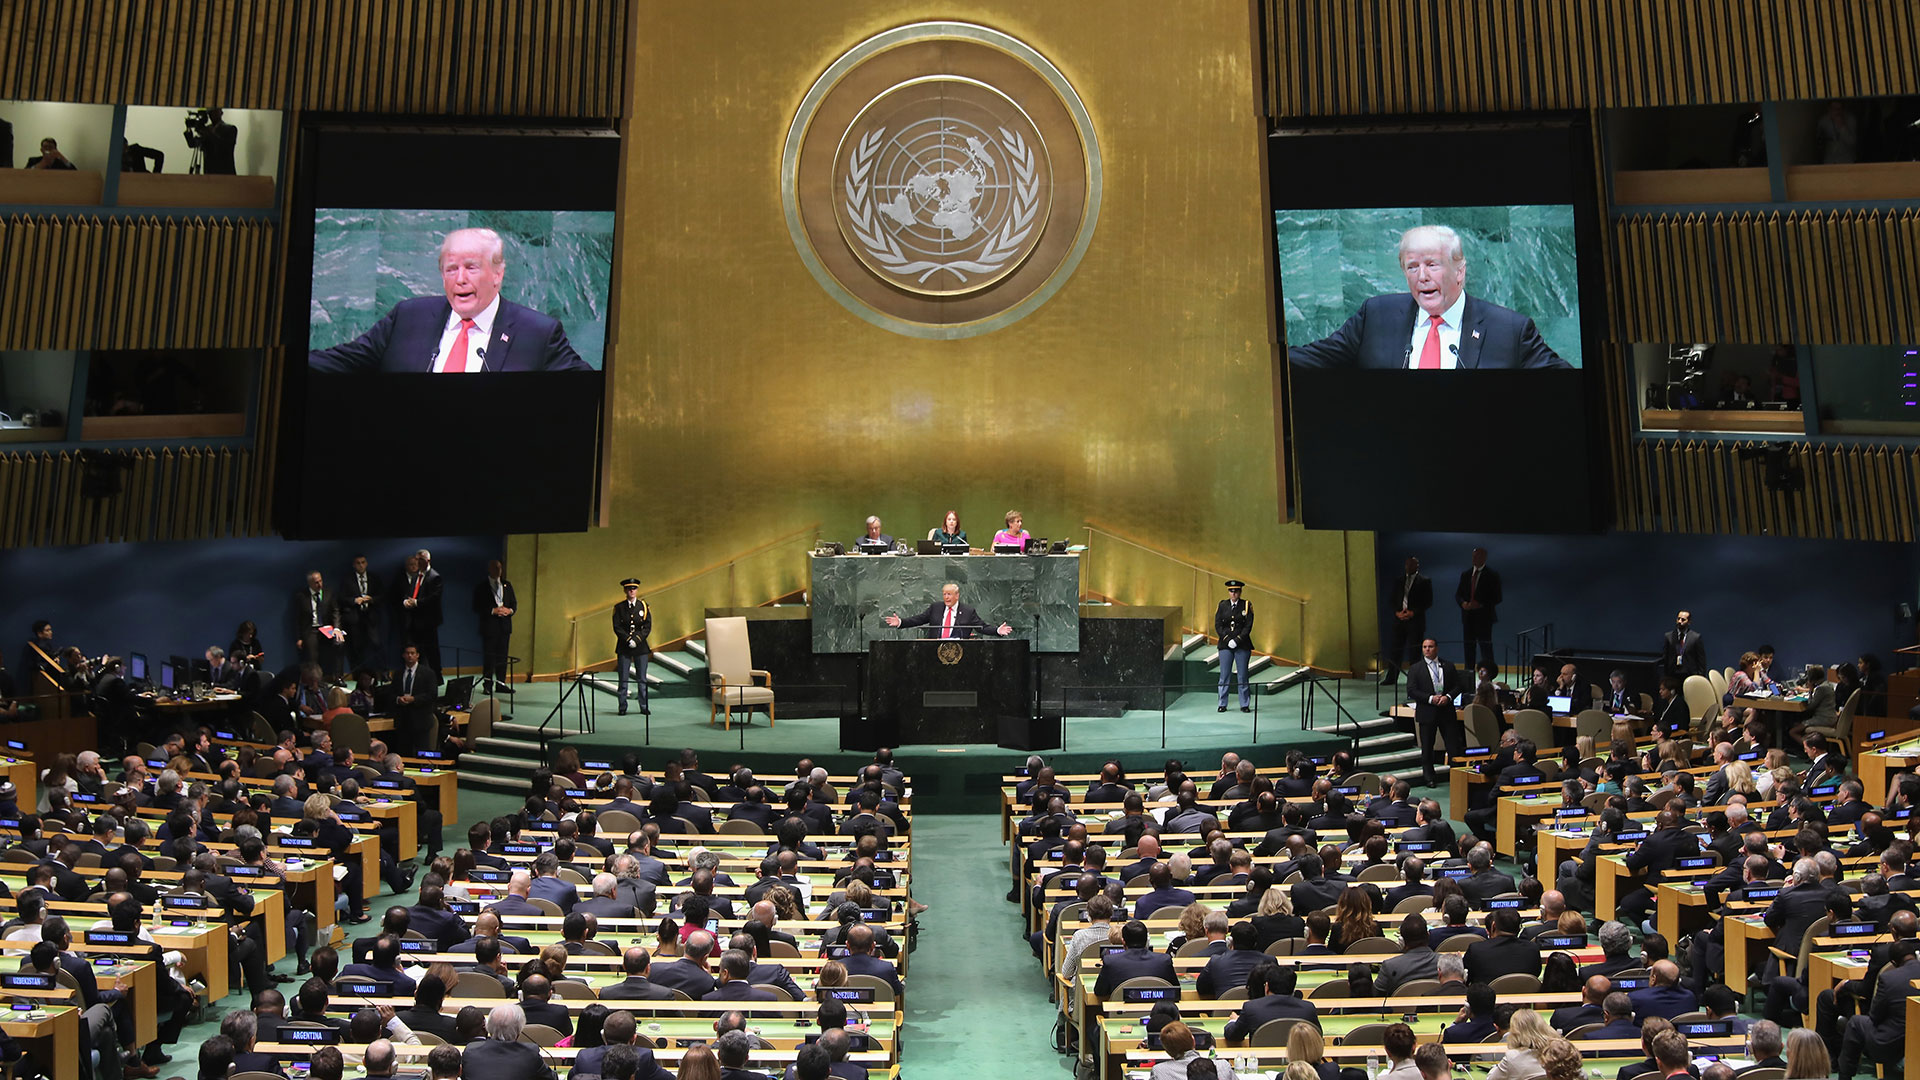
x=1792, y=912
x=426, y=687
x=492, y=1059
x=685, y=976
x=563, y=893
x=1662, y=1001
x=1485, y=885
x=966, y=621
x=1396, y=971
x=1692, y=652
x=637, y=988
x=739, y=991
x=406, y=339
x=1658, y=853
x=1488, y=960
x=1227, y=970
x=552, y=1014
x=868, y=964
x=1133, y=964
x=1271, y=1007
x=1417, y=599
x=1487, y=594
x=483, y=606
x=301, y=612
x=441, y=925
x=1420, y=688
x=1573, y=1016
x=1379, y=336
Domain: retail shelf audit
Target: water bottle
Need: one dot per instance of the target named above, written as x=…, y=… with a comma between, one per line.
x=1373, y=1066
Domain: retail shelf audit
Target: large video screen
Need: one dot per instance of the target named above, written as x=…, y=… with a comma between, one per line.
x=431, y=252
x=1435, y=326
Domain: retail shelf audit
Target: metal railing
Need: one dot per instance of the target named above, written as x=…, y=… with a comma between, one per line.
x=725, y=594
x=1205, y=589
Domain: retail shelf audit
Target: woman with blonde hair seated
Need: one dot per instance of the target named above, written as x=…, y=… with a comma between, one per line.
x=1807, y=1057
x=1274, y=919
x=1528, y=1033
x=1740, y=780
x=1306, y=1046
x=1561, y=1060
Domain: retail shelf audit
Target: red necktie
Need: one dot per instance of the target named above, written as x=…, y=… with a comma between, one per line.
x=946, y=628
x=1429, y=353
x=457, y=356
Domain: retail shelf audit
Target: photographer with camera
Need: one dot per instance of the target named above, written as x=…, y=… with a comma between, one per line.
x=213, y=140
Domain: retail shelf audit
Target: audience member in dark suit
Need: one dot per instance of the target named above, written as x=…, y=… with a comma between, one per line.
x=1230, y=968
x=689, y=974
x=1477, y=1021
x=536, y=1002
x=1660, y=852
x=1503, y=952
x=1432, y=684
x=501, y=1055
x=1880, y=1035
x=1161, y=894
x=431, y=919
x=382, y=967
x=636, y=986
x=416, y=600
x=1484, y=882
x=1664, y=997
x=860, y=958
x=1276, y=1002
x=734, y=984
x=1416, y=959
x=1135, y=961
x=1314, y=891
x=1591, y=1009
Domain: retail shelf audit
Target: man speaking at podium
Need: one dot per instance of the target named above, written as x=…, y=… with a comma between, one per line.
x=950, y=618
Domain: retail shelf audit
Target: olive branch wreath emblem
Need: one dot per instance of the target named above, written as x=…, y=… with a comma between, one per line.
x=881, y=245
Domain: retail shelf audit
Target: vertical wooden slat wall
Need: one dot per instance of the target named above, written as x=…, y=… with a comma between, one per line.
x=80, y=282
x=1815, y=277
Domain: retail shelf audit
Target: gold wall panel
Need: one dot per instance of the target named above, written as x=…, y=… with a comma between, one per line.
x=745, y=401
x=190, y=493
x=558, y=58
x=1850, y=492
x=136, y=283
x=1815, y=277
x=1348, y=57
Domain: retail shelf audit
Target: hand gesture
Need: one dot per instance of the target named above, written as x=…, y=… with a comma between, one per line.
x=891, y=620
x=1004, y=630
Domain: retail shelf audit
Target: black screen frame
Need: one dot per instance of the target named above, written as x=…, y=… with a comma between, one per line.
x=1357, y=439
x=512, y=452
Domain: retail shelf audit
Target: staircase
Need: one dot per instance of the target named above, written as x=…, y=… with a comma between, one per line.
x=505, y=760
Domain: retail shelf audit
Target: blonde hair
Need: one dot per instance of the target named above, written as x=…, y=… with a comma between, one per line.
x=1300, y=1070
x=1561, y=1059
x=1571, y=922
x=490, y=244
x=1193, y=918
x=1011, y=514
x=1529, y=1031
x=1583, y=746
x=1740, y=778
x=1306, y=1046
x=1275, y=901
x=316, y=806
x=1807, y=1055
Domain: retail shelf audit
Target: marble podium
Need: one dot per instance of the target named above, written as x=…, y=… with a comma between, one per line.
x=949, y=691
x=1038, y=595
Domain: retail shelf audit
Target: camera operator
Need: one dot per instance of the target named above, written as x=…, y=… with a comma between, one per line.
x=50, y=157
x=215, y=139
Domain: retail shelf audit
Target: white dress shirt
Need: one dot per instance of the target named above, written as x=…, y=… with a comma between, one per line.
x=1449, y=334
x=478, y=336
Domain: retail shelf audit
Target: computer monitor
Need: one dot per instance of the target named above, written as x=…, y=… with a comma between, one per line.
x=1560, y=704
x=166, y=676
x=1009, y=549
x=137, y=666
x=182, y=669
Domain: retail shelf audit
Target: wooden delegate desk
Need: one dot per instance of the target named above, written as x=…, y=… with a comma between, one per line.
x=443, y=781
x=1876, y=768
x=136, y=978
x=1272, y=1060
x=26, y=779
x=54, y=1042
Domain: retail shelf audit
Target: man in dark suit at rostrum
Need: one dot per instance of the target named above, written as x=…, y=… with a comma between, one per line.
x=494, y=605
x=468, y=329
x=1503, y=951
x=1660, y=852
x=949, y=618
x=632, y=622
x=1134, y=961
x=1432, y=684
x=315, y=606
x=1232, y=622
x=1434, y=325
x=1278, y=1003
x=1478, y=595
x=1412, y=595
x=1682, y=653
x=416, y=689
x=636, y=986
x=501, y=1055
x=416, y=598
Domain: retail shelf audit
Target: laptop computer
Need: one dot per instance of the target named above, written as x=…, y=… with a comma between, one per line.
x=927, y=547
x=1560, y=704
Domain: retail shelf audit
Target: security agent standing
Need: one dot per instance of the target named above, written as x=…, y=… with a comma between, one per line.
x=494, y=604
x=1232, y=622
x=1432, y=684
x=1478, y=595
x=632, y=622
x=1412, y=596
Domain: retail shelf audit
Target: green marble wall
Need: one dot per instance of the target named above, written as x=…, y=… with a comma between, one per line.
x=1038, y=596
x=1520, y=257
x=366, y=261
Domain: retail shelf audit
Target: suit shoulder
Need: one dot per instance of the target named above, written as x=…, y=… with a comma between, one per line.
x=524, y=316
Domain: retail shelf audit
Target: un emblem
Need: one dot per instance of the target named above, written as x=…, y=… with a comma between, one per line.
x=941, y=180
x=949, y=653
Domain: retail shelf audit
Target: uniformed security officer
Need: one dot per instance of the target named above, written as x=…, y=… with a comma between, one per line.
x=632, y=622
x=1231, y=624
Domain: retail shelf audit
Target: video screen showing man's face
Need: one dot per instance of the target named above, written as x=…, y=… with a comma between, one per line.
x=1343, y=310
x=455, y=292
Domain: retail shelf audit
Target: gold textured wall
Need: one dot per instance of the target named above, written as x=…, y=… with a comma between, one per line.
x=746, y=403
